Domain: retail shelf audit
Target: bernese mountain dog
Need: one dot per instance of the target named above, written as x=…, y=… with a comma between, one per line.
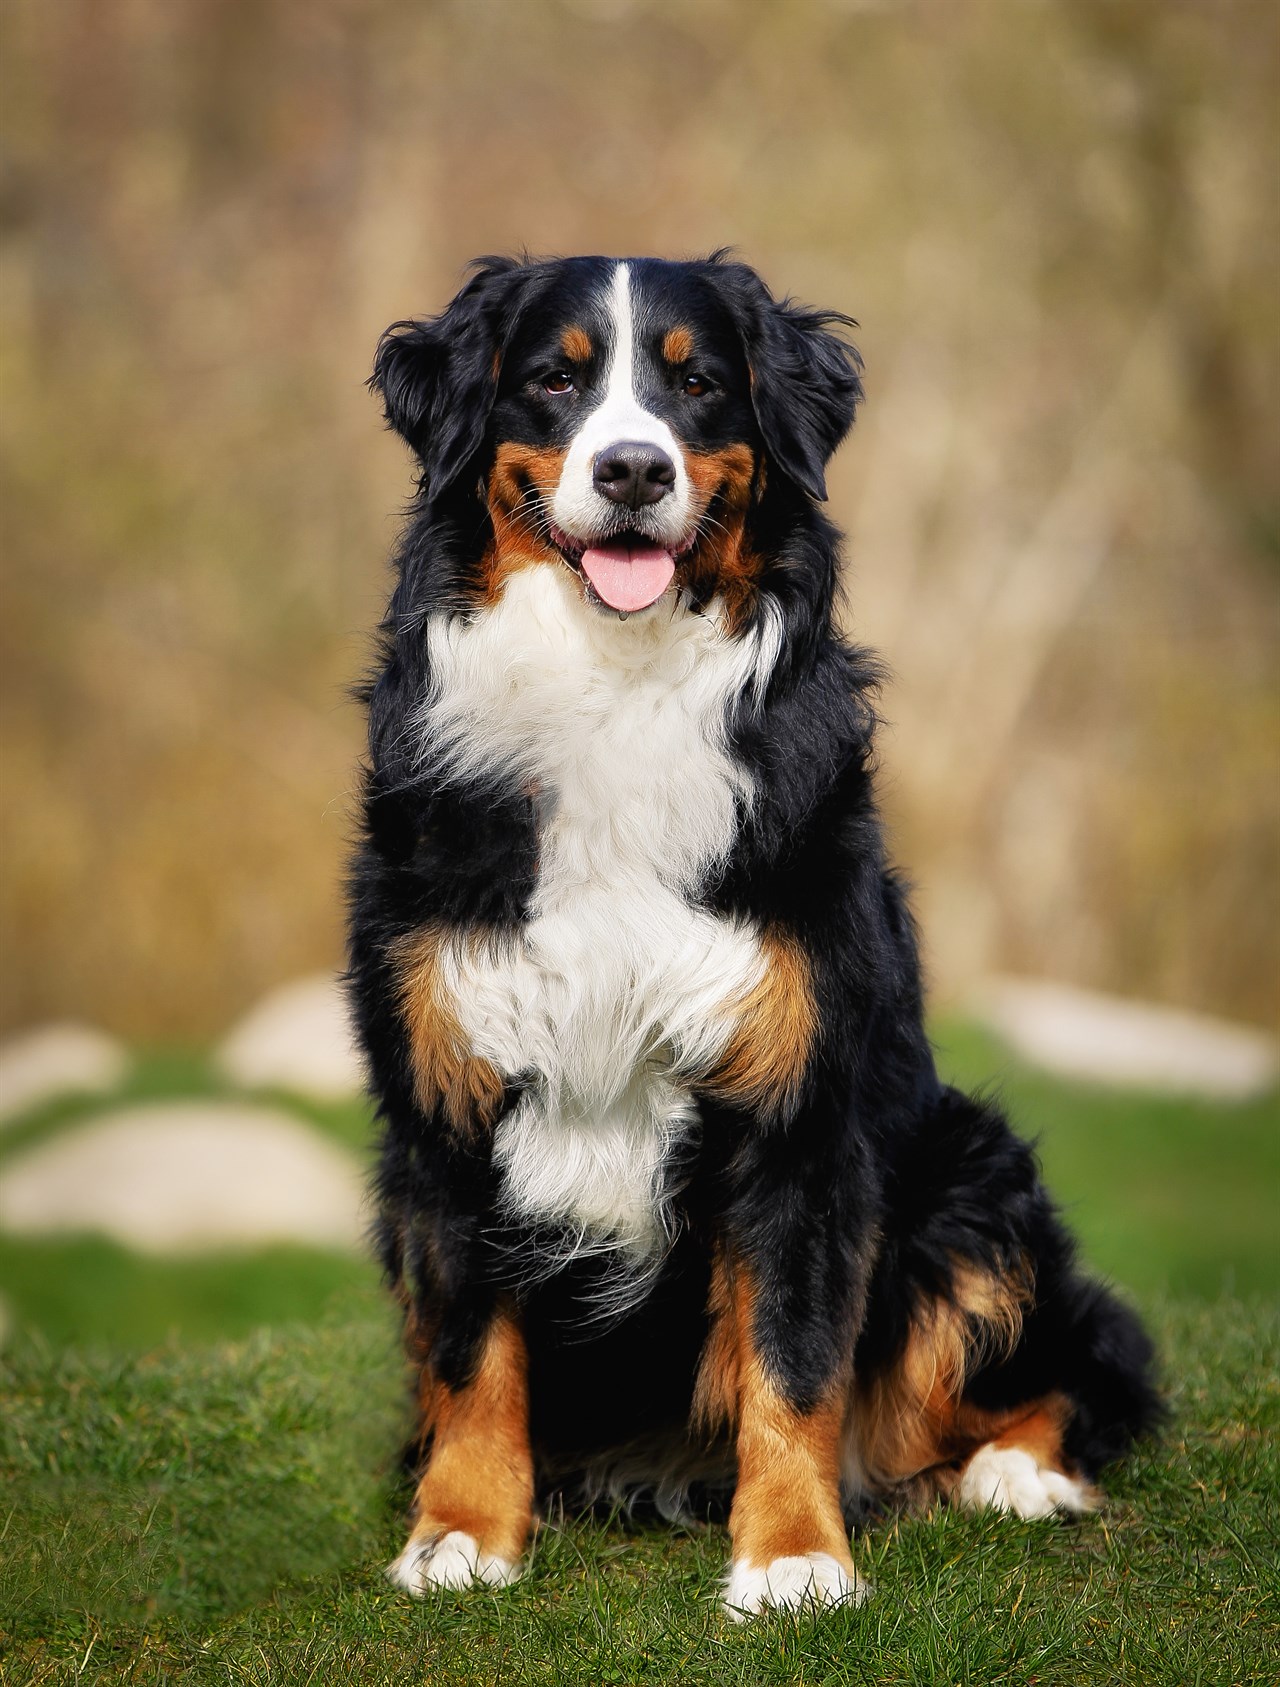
x=669, y=1189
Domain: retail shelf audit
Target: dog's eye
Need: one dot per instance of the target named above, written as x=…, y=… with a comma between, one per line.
x=696, y=385
x=558, y=382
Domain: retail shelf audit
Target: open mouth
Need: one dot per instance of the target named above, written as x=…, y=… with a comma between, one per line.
x=627, y=571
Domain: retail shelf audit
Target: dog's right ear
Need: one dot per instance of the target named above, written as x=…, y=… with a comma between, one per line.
x=805, y=378
x=438, y=378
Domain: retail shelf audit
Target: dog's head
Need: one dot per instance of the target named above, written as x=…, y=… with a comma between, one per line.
x=622, y=417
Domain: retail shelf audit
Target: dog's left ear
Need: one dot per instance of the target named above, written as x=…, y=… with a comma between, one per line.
x=805, y=381
x=438, y=377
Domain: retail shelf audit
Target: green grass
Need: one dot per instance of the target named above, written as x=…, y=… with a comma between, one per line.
x=221, y=1515
x=87, y=1291
x=1167, y=1195
x=197, y=1477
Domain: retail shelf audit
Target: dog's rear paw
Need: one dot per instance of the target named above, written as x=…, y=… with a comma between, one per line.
x=1009, y=1479
x=813, y=1579
x=450, y=1560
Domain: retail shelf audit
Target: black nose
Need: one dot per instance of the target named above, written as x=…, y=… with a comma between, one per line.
x=633, y=474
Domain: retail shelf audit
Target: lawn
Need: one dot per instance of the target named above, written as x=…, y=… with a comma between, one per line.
x=221, y=1515
x=199, y=1485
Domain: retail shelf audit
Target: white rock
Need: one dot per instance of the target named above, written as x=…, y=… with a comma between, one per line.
x=53, y=1060
x=297, y=1038
x=1111, y=1040
x=186, y=1176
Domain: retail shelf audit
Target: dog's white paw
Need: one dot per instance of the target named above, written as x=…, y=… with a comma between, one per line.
x=453, y=1560
x=1009, y=1479
x=814, y=1579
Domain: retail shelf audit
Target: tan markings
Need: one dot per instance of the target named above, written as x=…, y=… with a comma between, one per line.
x=787, y=1498
x=421, y=1325
x=1039, y=1431
x=724, y=563
x=774, y=1030
x=787, y=1501
x=1036, y=1426
x=576, y=345
x=677, y=346
x=447, y=1073
x=480, y=1475
x=715, y=1393
x=521, y=483
x=731, y=472
x=913, y=1417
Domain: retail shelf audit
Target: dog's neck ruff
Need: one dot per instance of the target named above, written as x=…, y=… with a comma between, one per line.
x=616, y=990
x=528, y=686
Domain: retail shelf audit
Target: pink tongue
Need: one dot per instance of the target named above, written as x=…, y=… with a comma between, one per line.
x=628, y=577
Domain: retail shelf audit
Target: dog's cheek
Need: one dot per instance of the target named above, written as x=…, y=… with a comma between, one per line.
x=725, y=564
x=519, y=489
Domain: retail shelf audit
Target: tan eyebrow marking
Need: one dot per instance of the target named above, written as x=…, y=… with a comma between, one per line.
x=677, y=347
x=576, y=345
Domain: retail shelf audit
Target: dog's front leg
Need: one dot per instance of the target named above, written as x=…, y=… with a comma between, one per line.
x=786, y=1400
x=473, y=1506
x=787, y=1298
x=788, y=1291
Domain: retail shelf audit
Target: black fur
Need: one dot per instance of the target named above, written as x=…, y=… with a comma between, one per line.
x=854, y=1206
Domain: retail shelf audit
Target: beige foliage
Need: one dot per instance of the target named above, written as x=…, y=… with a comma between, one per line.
x=1057, y=225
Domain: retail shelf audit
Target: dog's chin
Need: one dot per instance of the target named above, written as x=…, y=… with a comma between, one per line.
x=625, y=572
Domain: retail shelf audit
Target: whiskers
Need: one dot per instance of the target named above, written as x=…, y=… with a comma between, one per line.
x=532, y=512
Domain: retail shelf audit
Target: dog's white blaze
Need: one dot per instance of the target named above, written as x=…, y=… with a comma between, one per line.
x=614, y=992
x=576, y=505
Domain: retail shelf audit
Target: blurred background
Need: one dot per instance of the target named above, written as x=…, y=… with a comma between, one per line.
x=1057, y=225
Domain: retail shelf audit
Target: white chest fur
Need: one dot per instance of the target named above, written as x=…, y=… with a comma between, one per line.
x=616, y=991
